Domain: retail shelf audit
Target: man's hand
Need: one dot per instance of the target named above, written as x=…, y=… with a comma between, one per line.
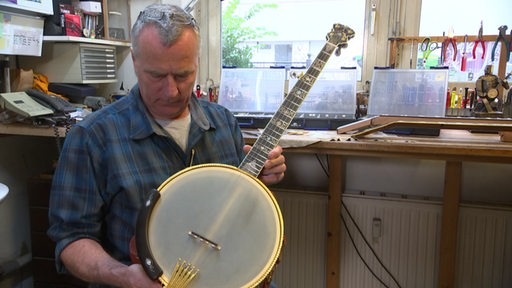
x=274, y=167
x=138, y=278
x=86, y=259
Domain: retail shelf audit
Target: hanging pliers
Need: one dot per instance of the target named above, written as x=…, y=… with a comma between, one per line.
x=450, y=40
x=503, y=39
x=480, y=41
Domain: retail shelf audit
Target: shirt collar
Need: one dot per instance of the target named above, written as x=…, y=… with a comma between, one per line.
x=143, y=124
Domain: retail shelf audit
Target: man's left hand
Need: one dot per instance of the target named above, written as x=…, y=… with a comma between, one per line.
x=274, y=167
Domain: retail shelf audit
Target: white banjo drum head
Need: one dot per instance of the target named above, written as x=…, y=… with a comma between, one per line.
x=221, y=220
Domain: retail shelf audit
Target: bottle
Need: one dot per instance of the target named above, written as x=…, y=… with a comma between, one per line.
x=466, y=98
x=448, y=98
x=460, y=101
x=453, y=103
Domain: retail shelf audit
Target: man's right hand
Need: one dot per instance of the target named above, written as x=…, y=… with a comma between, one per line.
x=86, y=259
x=139, y=279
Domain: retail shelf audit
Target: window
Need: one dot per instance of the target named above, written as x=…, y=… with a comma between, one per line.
x=292, y=32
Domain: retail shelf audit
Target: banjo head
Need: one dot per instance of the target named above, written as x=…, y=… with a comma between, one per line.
x=218, y=219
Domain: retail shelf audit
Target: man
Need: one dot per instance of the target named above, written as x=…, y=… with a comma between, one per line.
x=117, y=154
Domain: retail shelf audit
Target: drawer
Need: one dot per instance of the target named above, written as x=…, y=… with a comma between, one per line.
x=76, y=63
x=98, y=62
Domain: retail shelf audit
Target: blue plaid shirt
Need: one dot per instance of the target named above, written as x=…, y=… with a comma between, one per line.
x=110, y=160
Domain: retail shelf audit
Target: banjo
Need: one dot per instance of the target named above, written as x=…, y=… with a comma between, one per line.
x=215, y=225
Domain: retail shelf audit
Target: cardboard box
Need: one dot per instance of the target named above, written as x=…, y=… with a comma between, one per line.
x=90, y=6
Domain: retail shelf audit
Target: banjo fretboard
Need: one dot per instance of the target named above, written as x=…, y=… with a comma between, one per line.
x=278, y=124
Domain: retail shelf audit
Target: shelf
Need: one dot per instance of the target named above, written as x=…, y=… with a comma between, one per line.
x=30, y=130
x=86, y=40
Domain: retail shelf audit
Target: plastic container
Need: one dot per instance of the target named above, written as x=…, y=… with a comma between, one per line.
x=408, y=92
x=334, y=92
x=252, y=89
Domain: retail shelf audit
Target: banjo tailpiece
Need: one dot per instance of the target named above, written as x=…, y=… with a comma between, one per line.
x=181, y=275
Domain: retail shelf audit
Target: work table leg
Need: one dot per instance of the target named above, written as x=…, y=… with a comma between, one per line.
x=336, y=184
x=450, y=218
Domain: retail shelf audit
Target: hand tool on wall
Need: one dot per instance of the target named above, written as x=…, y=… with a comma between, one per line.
x=441, y=58
x=501, y=37
x=450, y=40
x=411, y=56
x=480, y=41
x=198, y=91
x=427, y=47
x=464, y=56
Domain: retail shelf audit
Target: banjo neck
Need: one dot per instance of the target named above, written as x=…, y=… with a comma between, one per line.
x=278, y=124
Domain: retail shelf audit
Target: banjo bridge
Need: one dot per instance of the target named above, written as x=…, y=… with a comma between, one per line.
x=204, y=240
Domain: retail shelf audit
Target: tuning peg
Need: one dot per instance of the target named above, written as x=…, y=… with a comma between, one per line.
x=337, y=52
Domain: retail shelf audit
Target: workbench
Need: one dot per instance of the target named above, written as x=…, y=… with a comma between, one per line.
x=453, y=147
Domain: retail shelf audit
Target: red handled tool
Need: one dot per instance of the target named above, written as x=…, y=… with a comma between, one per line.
x=210, y=95
x=480, y=41
x=198, y=91
x=464, y=59
x=447, y=42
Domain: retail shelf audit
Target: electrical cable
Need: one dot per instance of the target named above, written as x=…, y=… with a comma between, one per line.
x=57, y=138
x=67, y=126
x=369, y=246
x=359, y=252
x=326, y=171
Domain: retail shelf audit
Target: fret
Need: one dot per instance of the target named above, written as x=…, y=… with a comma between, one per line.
x=287, y=111
x=273, y=140
x=277, y=126
x=277, y=133
x=299, y=94
x=269, y=144
x=269, y=139
x=259, y=162
x=317, y=66
x=287, y=118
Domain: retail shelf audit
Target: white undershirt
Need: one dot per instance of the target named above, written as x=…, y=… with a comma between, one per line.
x=178, y=129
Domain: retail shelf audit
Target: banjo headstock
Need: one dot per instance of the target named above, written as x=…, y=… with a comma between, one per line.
x=339, y=36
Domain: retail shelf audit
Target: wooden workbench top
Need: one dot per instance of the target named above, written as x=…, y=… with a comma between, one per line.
x=449, y=145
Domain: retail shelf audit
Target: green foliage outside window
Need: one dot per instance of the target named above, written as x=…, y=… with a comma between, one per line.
x=235, y=31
